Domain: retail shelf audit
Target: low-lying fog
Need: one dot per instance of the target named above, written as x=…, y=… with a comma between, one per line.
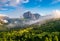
x=54, y=15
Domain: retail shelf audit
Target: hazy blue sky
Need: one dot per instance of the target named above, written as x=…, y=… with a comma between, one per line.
x=16, y=8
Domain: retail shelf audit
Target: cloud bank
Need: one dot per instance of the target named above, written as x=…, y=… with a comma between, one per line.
x=8, y=4
x=16, y=2
x=56, y=13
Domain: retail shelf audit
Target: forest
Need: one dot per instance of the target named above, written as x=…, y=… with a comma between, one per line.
x=48, y=31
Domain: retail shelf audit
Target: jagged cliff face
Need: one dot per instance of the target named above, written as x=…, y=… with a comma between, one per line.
x=29, y=15
x=37, y=16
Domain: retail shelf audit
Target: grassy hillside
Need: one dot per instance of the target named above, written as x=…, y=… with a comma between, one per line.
x=49, y=31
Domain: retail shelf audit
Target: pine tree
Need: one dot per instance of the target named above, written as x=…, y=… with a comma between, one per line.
x=50, y=39
x=55, y=38
x=46, y=39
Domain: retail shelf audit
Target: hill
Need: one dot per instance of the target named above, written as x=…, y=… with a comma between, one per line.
x=49, y=31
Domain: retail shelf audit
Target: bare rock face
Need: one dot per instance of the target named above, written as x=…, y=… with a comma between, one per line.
x=37, y=16
x=29, y=15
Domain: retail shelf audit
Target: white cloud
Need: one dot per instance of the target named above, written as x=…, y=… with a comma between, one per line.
x=56, y=13
x=16, y=2
x=55, y=1
x=13, y=3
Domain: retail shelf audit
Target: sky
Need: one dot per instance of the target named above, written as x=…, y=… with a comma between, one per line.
x=16, y=8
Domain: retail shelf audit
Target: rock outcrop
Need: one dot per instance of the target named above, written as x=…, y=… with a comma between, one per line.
x=29, y=15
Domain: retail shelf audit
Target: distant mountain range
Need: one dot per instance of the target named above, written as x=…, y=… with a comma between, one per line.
x=28, y=19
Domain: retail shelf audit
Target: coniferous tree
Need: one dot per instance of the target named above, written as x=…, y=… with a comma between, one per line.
x=56, y=38
x=46, y=39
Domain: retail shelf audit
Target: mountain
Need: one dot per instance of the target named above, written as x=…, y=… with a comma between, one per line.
x=37, y=16
x=31, y=16
x=3, y=19
x=28, y=15
x=49, y=31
